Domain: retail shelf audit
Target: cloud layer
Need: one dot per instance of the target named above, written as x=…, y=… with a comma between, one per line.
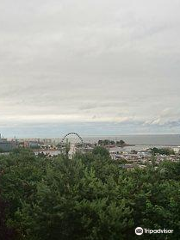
x=109, y=66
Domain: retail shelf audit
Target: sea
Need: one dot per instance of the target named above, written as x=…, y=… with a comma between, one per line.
x=158, y=140
x=139, y=142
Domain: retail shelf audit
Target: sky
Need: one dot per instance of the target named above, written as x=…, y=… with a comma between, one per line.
x=90, y=66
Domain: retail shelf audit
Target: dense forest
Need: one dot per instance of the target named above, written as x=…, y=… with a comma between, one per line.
x=88, y=197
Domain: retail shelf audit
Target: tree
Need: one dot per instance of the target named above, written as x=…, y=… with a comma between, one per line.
x=101, y=151
x=6, y=233
x=85, y=198
x=163, y=151
x=120, y=143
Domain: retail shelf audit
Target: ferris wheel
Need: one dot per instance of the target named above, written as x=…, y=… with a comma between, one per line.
x=73, y=141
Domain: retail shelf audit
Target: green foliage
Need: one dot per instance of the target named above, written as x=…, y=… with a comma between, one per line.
x=120, y=143
x=163, y=151
x=107, y=142
x=101, y=151
x=88, y=197
x=1, y=150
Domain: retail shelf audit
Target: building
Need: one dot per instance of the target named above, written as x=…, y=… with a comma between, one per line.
x=7, y=146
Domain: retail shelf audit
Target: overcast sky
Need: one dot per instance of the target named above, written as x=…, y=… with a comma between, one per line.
x=90, y=66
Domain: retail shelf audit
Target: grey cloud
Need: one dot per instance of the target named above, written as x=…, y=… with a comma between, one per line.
x=103, y=61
